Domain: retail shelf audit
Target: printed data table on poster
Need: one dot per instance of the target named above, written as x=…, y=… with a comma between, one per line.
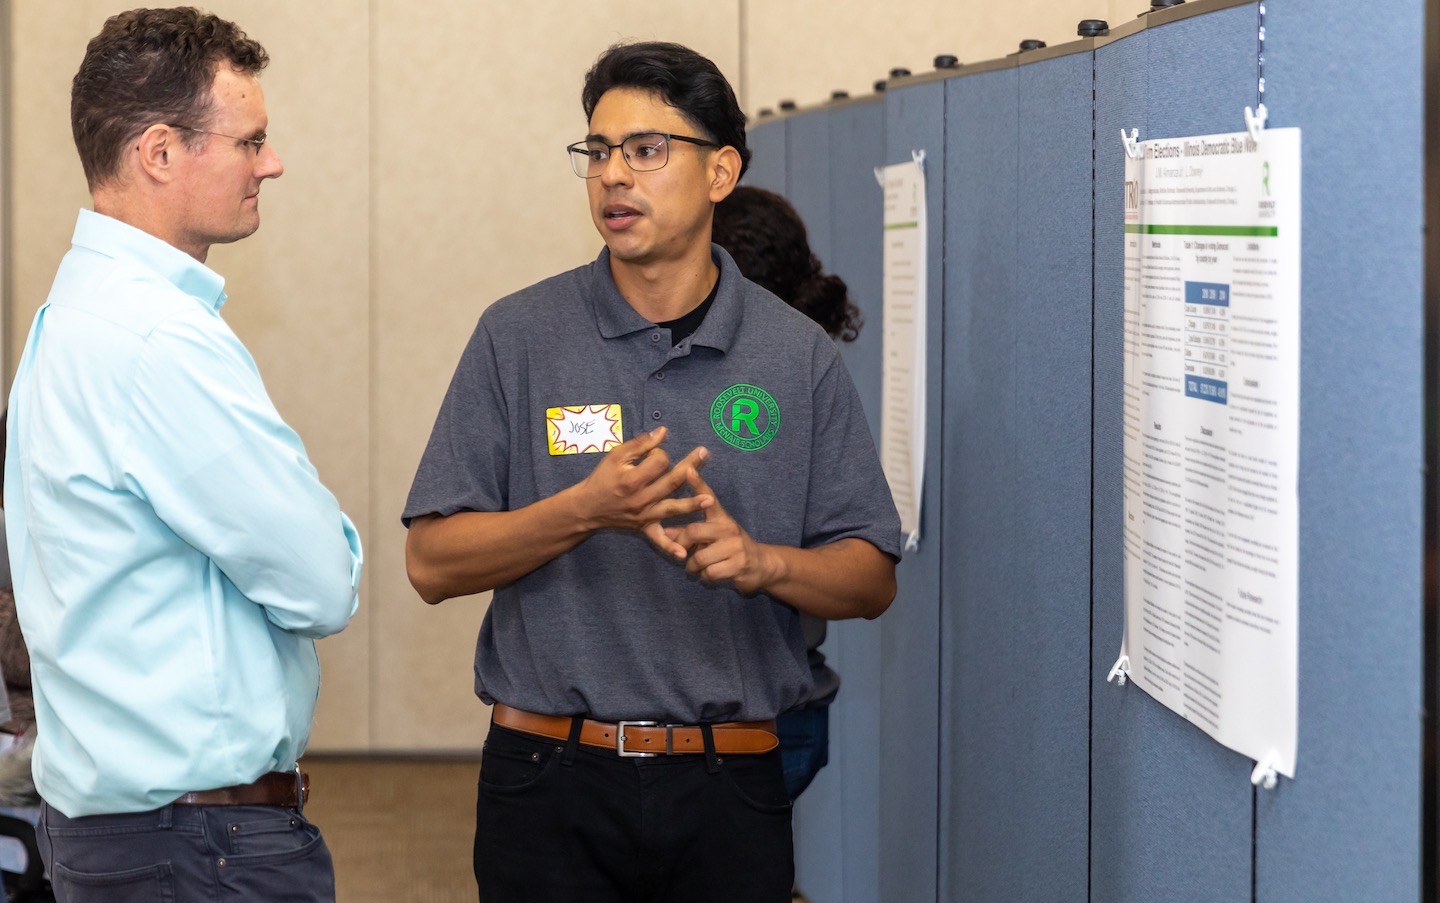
x=1212, y=418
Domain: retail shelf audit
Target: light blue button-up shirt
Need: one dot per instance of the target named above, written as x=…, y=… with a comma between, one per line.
x=174, y=553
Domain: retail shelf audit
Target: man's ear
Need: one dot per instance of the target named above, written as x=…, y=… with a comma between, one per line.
x=724, y=173
x=155, y=151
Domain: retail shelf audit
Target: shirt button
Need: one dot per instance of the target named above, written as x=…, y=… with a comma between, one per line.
x=660, y=374
x=654, y=336
x=654, y=415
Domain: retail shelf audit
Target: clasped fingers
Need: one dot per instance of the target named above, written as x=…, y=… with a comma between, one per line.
x=633, y=484
x=722, y=552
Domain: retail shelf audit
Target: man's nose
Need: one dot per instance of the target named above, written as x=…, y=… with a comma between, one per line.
x=268, y=165
x=617, y=169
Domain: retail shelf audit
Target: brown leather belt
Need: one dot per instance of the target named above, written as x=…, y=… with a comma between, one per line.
x=286, y=789
x=644, y=738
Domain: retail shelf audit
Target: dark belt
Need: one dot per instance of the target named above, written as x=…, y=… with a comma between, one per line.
x=645, y=738
x=286, y=789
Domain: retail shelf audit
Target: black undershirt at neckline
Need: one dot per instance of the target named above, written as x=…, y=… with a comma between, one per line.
x=682, y=327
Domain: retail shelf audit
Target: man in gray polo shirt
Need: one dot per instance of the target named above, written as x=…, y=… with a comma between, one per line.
x=629, y=587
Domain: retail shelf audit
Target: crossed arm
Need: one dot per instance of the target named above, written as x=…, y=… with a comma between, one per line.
x=633, y=488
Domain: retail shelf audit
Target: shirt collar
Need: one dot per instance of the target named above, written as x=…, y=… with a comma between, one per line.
x=616, y=317
x=113, y=238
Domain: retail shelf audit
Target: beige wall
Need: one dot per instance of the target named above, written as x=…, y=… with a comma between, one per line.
x=403, y=211
x=802, y=50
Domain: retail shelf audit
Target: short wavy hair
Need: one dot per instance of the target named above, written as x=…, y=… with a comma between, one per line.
x=683, y=78
x=149, y=66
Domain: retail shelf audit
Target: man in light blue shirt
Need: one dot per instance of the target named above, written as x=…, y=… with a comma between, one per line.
x=174, y=553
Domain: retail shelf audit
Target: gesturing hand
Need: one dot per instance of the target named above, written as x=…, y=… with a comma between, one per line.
x=632, y=488
x=720, y=549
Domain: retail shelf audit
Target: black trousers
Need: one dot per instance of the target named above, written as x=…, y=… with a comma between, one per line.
x=565, y=823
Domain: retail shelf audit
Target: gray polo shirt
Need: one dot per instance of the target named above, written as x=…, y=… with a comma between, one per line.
x=613, y=628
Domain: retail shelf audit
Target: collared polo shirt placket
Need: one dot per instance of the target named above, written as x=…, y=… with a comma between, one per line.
x=666, y=388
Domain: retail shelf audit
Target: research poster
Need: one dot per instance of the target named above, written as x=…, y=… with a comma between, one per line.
x=903, y=301
x=1211, y=419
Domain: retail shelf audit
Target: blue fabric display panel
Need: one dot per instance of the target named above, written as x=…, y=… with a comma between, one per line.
x=1347, y=827
x=911, y=631
x=1016, y=507
x=1171, y=808
x=978, y=752
x=1045, y=608
x=837, y=825
x=854, y=646
x=857, y=141
x=767, y=155
x=808, y=177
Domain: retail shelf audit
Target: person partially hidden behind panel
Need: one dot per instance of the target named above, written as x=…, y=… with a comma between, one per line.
x=644, y=631
x=768, y=242
x=174, y=553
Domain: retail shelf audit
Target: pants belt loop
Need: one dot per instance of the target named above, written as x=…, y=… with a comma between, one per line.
x=572, y=745
x=712, y=761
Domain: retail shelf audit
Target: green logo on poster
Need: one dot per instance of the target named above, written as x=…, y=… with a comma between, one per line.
x=745, y=416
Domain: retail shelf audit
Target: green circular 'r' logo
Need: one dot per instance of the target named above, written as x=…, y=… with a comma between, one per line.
x=745, y=416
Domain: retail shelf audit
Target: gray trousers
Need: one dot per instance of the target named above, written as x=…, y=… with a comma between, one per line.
x=179, y=854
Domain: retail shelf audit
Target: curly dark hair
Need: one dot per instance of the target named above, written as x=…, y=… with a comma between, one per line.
x=150, y=66
x=767, y=239
x=683, y=78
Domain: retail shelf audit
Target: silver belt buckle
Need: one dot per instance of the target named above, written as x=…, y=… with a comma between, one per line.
x=620, y=749
x=299, y=790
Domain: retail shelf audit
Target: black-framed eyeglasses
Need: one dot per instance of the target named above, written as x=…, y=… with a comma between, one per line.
x=257, y=142
x=645, y=152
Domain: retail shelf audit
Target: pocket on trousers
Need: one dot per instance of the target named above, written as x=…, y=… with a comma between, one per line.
x=296, y=868
x=151, y=884
x=509, y=765
x=262, y=830
x=759, y=782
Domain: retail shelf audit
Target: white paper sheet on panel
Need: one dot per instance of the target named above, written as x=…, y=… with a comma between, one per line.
x=1212, y=425
x=902, y=433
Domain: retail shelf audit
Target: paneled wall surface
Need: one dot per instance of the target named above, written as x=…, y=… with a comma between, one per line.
x=1052, y=783
x=1149, y=765
x=1360, y=453
x=912, y=633
x=1017, y=504
x=831, y=862
x=867, y=828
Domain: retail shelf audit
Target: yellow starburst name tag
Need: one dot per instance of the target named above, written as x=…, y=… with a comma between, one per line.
x=583, y=429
